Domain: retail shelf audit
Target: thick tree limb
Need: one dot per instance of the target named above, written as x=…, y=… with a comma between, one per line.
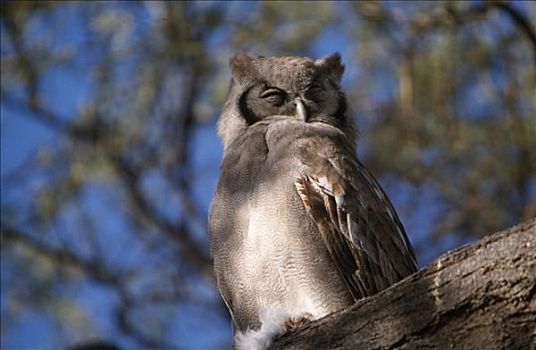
x=480, y=296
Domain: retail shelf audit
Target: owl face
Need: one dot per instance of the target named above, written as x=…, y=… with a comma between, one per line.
x=295, y=87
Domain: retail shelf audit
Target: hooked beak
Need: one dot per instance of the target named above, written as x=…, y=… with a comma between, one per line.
x=300, y=110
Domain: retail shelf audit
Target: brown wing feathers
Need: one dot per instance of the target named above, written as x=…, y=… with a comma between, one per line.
x=358, y=226
x=318, y=206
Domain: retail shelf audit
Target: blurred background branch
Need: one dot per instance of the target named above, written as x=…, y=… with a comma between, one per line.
x=109, y=152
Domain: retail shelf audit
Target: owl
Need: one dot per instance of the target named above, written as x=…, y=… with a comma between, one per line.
x=299, y=227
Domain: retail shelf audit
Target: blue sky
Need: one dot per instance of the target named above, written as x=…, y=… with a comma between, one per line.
x=66, y=90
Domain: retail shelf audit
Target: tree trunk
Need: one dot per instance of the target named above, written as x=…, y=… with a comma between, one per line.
x=480, y=296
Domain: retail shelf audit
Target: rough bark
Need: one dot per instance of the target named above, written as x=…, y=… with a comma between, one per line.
x=480, y=296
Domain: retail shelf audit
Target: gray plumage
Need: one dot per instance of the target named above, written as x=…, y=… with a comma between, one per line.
x=297, y=223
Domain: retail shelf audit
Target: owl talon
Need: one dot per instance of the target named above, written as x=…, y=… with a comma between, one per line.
x=296, y=322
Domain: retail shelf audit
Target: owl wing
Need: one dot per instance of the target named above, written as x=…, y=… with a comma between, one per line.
x=356, y=220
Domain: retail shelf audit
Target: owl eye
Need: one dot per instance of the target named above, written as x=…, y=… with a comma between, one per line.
x=274, y=96
x=314, y=92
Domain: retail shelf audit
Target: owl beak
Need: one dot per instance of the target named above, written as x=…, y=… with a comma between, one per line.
x=300, y=110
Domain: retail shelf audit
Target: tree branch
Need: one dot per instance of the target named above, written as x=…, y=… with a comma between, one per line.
x=520, y=21
x=97, y=272
x=480, y=296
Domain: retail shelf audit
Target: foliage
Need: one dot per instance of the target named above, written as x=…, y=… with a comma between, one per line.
x=109, y=154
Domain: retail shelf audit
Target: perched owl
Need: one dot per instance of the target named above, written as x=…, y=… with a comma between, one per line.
x=299, y=227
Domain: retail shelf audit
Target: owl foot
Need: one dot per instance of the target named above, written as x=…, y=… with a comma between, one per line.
x=296, y=322
x=275, y=321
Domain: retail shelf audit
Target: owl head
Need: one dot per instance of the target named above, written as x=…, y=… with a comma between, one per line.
x=294, y=87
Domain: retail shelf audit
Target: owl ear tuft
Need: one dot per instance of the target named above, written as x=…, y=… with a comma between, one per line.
x=333, y=65
x=241, y=66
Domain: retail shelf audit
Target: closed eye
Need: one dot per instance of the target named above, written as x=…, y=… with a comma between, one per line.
x=271, y=91
x=314, y=92
x=274, y=96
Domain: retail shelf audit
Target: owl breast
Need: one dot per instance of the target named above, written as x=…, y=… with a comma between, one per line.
x=274, y=251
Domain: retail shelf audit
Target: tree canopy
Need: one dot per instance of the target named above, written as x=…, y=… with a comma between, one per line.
x=110, y=156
